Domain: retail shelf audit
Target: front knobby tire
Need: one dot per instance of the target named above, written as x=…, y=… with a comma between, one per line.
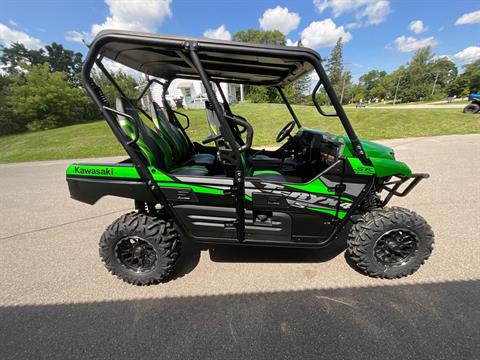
x=390, y=243
x=140, y=249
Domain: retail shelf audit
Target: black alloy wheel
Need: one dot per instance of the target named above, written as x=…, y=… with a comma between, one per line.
x=136, y=254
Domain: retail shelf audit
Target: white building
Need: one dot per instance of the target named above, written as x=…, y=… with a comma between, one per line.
x=192, y=93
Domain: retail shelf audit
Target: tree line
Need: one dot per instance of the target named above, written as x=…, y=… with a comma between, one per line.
x=40, y=89
x=424, y=77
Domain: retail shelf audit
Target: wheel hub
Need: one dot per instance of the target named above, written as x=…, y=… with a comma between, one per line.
x=136, y=254
x=395, y=247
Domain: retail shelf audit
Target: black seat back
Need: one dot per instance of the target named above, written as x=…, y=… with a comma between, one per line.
x=153, y=147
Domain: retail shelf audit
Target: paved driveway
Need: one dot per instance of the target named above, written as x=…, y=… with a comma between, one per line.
x=57, y=300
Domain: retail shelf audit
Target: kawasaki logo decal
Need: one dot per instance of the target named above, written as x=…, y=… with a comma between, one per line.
x=110, y=171
x=77, y=170
x=120, y=172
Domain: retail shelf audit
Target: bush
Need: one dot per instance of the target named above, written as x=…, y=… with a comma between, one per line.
x=44, y=100
x=10, y=123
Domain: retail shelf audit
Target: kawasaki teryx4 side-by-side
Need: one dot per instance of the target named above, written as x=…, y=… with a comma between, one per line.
x=314, y=189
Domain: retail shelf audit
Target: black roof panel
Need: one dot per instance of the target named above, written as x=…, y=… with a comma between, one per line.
x=166, y=57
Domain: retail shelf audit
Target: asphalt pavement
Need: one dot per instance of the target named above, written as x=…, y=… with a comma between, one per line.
x=58, y=302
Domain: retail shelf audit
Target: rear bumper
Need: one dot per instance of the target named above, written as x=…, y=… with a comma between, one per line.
x=90, y=190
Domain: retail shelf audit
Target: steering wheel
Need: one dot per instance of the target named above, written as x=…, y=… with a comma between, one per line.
x=285, y=132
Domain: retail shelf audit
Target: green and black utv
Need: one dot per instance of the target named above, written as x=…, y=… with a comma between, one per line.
x=314, y=189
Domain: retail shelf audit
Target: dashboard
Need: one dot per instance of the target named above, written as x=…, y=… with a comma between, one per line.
x=316, y=148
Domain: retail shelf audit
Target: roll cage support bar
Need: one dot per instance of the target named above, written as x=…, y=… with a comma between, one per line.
x=289, y=107
x=238, y=188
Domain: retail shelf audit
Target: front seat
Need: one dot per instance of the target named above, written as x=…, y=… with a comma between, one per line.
x=151, y=144
x=265, y=175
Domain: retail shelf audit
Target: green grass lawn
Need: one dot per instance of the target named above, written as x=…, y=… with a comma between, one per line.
x=95, y=139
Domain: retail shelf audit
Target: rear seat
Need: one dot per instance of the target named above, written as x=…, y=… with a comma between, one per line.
x=153, y=145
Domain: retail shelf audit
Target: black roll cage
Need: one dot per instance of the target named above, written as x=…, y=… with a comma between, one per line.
x=188, y=50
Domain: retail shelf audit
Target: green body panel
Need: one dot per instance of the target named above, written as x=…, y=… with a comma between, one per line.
x=388, y=167
x=359, y=168
x=124, y=172
x=130, y=172
x=382, y=158
x=121, y=172
x=195, y=188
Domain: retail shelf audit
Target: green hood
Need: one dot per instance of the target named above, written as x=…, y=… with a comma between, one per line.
x=372, y=149
x=381, y=156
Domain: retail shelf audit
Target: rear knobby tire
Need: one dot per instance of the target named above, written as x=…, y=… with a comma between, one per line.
x=390, y=243
x=471, y=109
x=140, y=249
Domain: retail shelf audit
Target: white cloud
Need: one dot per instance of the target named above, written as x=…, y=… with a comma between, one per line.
x=12, y=22
x=77, y=36
x=468, y=55
x=145, y=15
x=374, y=11
x=469, y=18
x=280, y=19
x=9, y=36
x=115, y=68
x=354, y=25
x=220, y=33
x=438, y=57
x=324, y=34
x=291, y=42
x=338, y=6
x=417, y=27
x=408, y=44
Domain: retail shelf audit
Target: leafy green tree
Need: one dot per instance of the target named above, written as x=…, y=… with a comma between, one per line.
x=334, y=66
x=301, y=89
x=467, y=82
x=64, y=60
x=44, y=100
x=126, y=82
x=9, y=122
x=419, y=78
x=472, y=75
x=358, y=92
x=445, y=71
x=256, y=36
x=16, y=54
x=374, y=85
x=458, y=87
x=4, y=81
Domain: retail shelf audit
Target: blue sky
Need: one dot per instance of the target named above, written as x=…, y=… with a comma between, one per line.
x=380, y=34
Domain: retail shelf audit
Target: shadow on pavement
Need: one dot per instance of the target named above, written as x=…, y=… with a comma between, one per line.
x=188, y=260
x=427, y=321
x=258, y=254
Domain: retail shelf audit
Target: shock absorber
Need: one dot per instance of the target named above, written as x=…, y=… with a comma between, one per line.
x=372, y=200
x=99, y=92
